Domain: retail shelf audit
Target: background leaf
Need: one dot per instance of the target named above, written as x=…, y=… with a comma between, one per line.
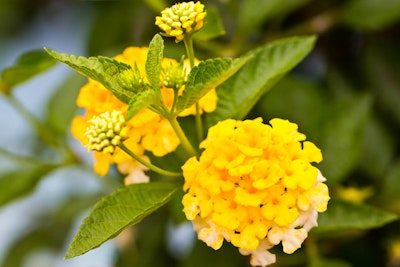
x=342, y=136
x=61, y=107
x=17, y=183
x=125, y=207
x=238, y=95
x=213, y=26
x=304, y=97
x=371, y=14
x=254, y=12
x=343, y=215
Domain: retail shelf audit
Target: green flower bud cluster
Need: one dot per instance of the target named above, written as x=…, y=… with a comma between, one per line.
x=174, y=75
x=106, y=131
x=182, y=18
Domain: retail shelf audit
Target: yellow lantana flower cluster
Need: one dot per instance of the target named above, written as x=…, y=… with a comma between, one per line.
x=181, y=18
x=254, y=186
x=147, y=131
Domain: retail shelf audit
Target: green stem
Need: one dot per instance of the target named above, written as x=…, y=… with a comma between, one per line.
x=188, y=41
x=312, y=251
x=187, y=146
x=172, y=110
x=148, y=164
x=199, y=123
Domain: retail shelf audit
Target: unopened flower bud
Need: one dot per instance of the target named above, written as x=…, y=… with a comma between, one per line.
x=181, y=18
x=106, y=131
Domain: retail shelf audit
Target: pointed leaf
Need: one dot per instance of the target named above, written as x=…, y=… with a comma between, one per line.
x=140, y=101
x=343, y=215
x=206, y=76
x=27, y=66
x=153, y=61
x=116, y=76
x=238, y=95
x=125, y=207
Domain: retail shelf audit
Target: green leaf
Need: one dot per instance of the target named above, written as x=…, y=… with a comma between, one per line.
x=140, y=101
x=213, y=26
x=238, y=95
x=342, y=215
x=17, y=183
x=206, y=76
x=27, y=66
x=342, y=136
x=125, y=207
x=378, y=141
x=116, y=76
x=153, y=61
x=371, y=14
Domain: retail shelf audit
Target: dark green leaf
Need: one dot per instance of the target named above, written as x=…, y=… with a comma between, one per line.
x=206, y=76
x=371, y=14
x=342, y=215
x=153, y=61
x=17, y=183
x=125, y=207
x=341, y=136
x=138, y=102
x=213, y=26
x=27, y=66
x=238, y=95
x=116, y=76
x=381, y=65
x=378, y=141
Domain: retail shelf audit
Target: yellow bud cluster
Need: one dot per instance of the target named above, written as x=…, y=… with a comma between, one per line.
x=181, y=18
x=106, y=131
x=254, y=186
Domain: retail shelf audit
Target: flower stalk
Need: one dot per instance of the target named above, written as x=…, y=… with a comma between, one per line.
x=148, y=164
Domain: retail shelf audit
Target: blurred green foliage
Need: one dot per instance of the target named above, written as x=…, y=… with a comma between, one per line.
x=345, y=97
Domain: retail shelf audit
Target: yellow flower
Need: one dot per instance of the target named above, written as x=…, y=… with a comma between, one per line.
x=181, y=19
x=147, y=131
x=254, y=185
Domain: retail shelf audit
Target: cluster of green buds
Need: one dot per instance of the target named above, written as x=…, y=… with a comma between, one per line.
x=174, y=75
x=106, y=131
x=181, y=19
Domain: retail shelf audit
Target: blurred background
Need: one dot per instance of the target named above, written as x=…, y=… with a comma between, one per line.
x=345, y=96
